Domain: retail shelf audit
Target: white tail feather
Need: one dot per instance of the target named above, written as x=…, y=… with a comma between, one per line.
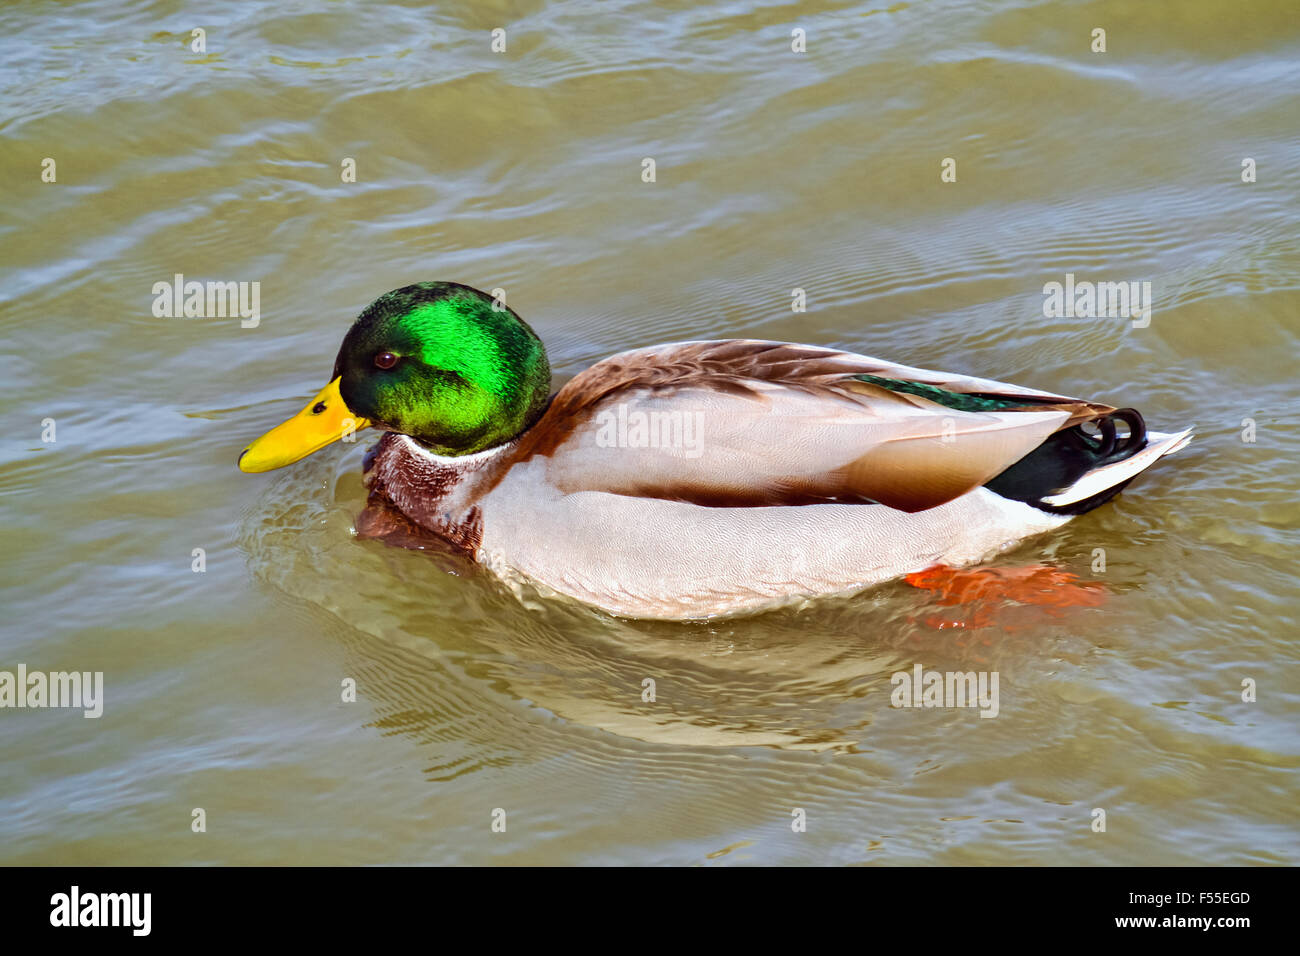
x=1095, y=482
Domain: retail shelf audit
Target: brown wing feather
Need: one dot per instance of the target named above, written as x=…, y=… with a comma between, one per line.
x=910, y=468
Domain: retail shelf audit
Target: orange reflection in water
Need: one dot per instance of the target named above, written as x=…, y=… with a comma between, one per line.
x=983, y=592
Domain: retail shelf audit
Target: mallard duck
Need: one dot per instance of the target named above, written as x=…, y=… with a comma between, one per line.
x=699, y=478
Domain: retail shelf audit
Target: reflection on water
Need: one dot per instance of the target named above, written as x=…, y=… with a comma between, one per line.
x=1120, y=679
x=798, y=679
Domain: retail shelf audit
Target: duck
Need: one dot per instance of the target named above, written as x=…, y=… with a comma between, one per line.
x=697, y=479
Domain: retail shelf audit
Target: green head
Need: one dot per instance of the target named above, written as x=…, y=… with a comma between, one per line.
x=438, y=361
x=443, y=363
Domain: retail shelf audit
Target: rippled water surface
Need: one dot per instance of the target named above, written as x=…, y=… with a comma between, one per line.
x=523, y=170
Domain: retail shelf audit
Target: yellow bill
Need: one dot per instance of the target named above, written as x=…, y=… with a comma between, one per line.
x=326, y=419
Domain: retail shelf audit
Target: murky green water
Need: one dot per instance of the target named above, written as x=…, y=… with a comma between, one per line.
x=523, y=170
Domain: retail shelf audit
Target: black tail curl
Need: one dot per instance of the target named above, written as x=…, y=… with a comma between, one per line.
x=1067, y=456
x=1111, y=449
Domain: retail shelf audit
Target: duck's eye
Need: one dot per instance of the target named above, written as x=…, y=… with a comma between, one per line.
x=385, y=360
x=318, y=408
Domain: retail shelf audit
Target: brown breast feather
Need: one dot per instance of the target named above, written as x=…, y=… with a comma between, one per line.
x=408, y=504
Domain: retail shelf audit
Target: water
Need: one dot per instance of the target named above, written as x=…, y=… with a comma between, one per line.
x=522, y=171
